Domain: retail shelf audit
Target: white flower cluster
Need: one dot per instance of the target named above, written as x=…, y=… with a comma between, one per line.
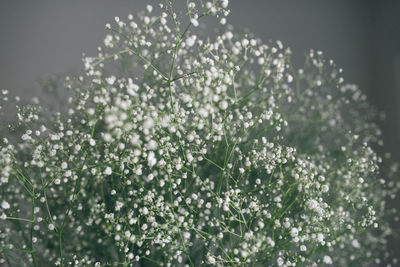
x=179, y=149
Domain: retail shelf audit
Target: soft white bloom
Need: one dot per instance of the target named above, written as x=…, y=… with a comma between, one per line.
x=108, y=171
x=25, y=137
x=320, y=237
x=64, y=165
x=111, y=80
x=92, y=142
x=229, y=35
x=195, y=22
x=355, y=243
x=223, y=104
x=294, y=232
x=327, y=260
x=108, y=42
x=151, y=159
x=152, y=145
x=190, y=41
x=5, y=205
x=325, y=188
x=107, y=137
x=312, y=204
x=148, y=123
x=211, y=259
x=132, y=88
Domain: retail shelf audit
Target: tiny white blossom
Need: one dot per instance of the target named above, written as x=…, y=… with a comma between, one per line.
x=92, y=142
x=229, y=35
x=108, y=171
x=111, y=80
x=25, y=137
x=148, y=123
x=355, y=243
x=64, y=165
x=223, y=105
x=5, y=205
x=320, y=237
x=190, y=41
x=151, y=159
x=211, y=260
x=107, y=137
x=152, y=145
x=294, y=232
x=328, y=260
x=195, y=22
x=325, y=188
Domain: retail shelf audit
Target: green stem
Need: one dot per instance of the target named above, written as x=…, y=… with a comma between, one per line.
x=31, y=231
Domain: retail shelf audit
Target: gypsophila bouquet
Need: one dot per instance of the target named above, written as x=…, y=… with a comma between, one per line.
x=179, y=149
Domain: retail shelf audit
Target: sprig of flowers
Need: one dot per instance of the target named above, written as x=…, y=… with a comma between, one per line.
x=180, y=149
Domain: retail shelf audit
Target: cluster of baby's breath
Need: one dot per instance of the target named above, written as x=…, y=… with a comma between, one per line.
x=183, y=150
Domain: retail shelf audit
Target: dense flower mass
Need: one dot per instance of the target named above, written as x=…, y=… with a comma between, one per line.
x=179, y=149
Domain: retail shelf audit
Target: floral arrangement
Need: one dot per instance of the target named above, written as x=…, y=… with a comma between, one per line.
x=179, y=149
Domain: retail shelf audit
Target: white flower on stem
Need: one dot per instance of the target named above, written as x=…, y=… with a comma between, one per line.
x=195, y=22
x=108, y=171
x=5, y=205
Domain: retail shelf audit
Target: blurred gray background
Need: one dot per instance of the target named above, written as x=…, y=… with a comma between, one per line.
x=43, y=37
